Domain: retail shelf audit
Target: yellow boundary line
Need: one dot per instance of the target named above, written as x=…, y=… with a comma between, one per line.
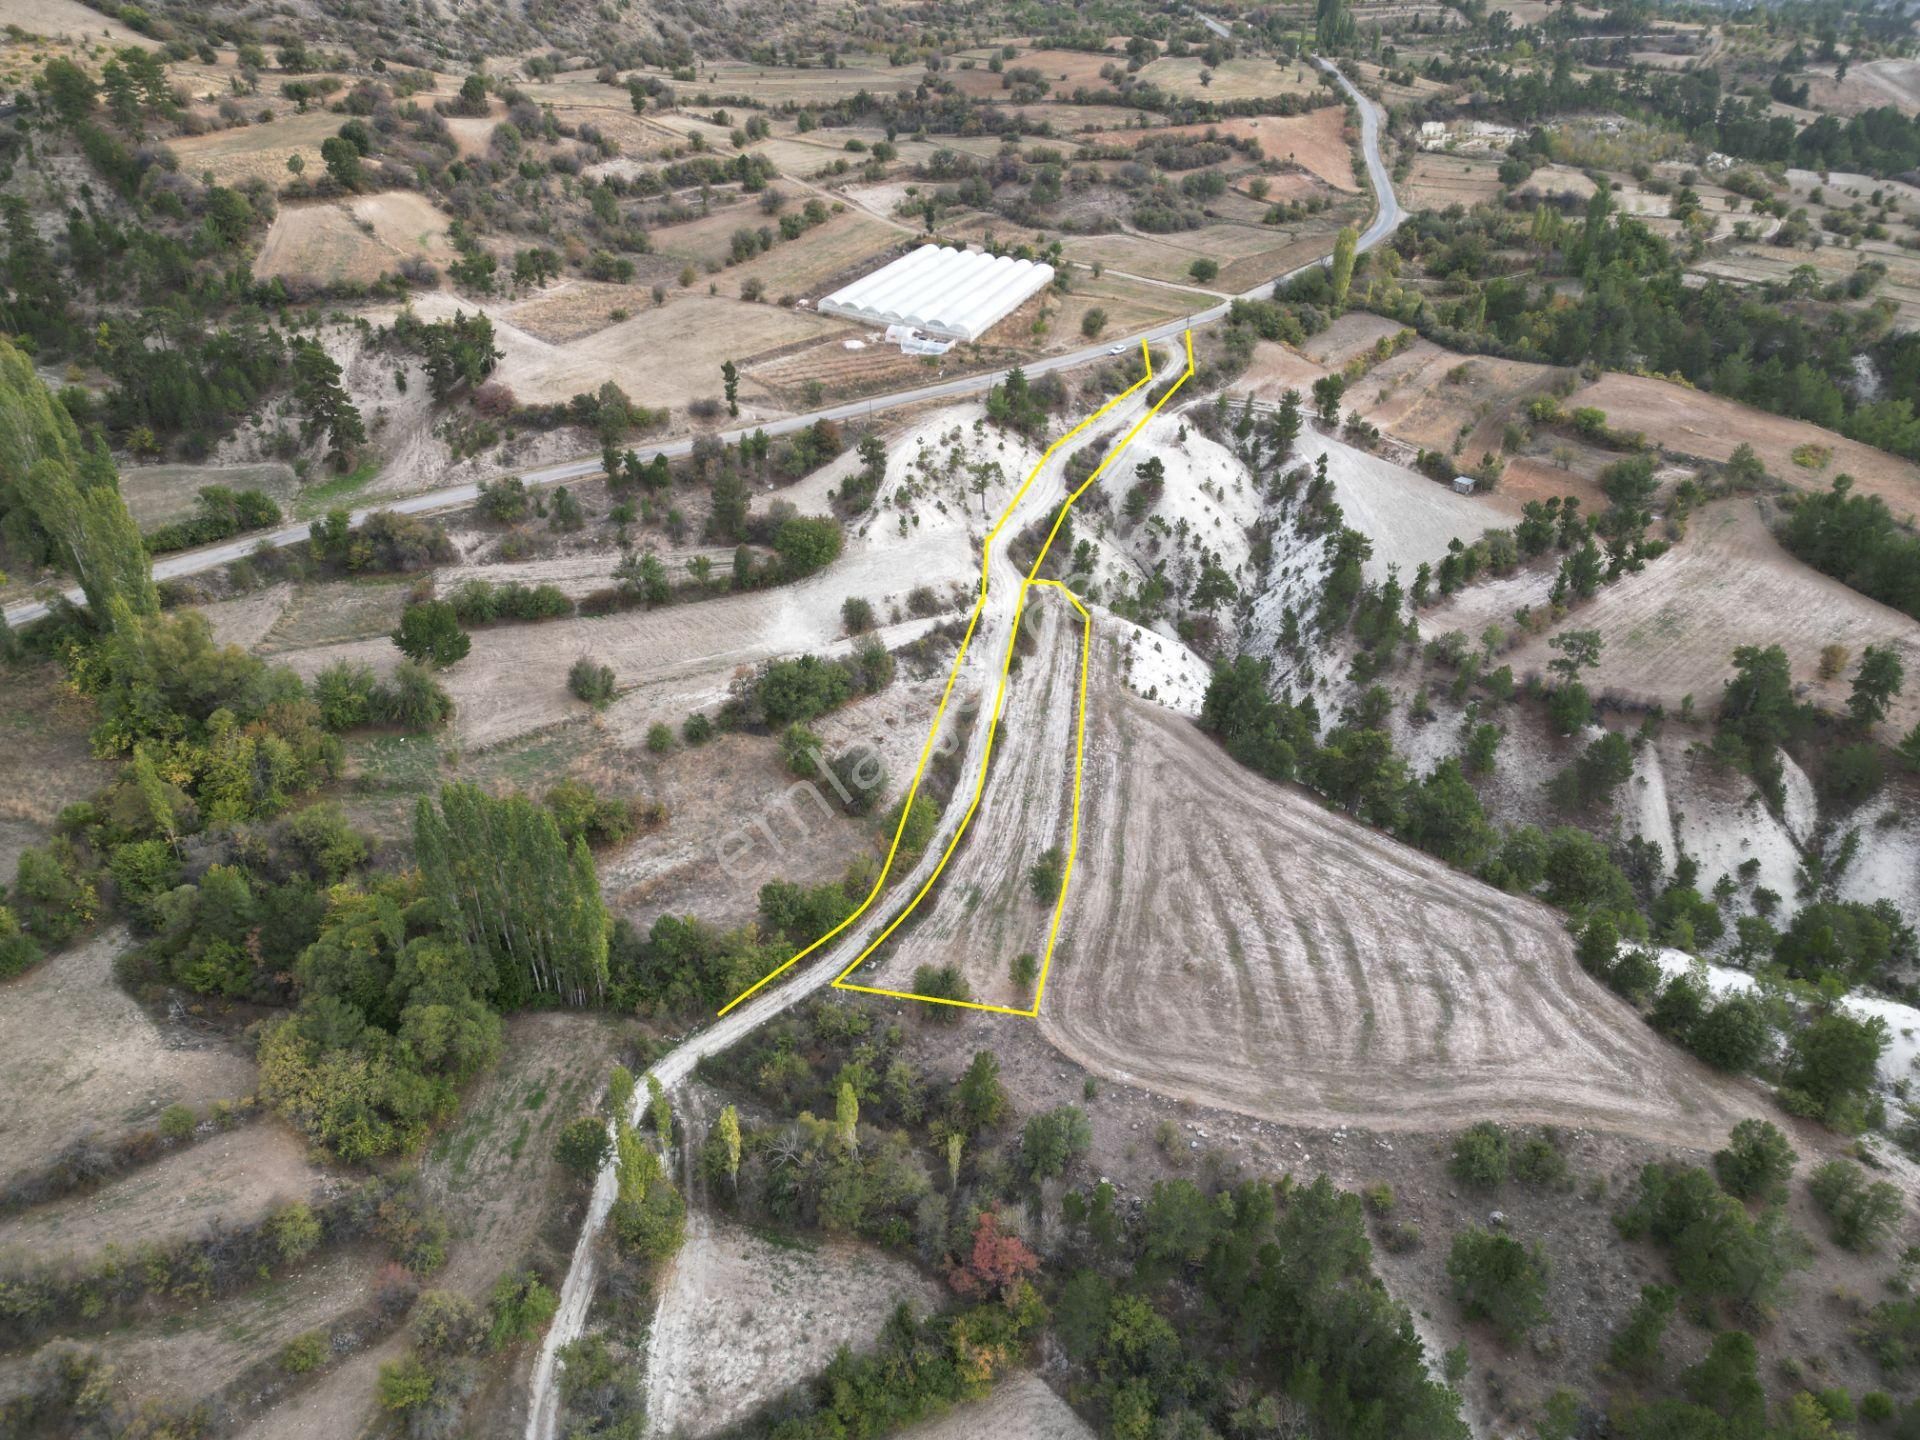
x=926, y=751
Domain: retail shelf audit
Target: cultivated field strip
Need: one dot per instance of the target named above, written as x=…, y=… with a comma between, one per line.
x=984, y=914
x=1233, y=942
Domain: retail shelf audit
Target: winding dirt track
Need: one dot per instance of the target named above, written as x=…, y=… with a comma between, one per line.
x=1231, y=941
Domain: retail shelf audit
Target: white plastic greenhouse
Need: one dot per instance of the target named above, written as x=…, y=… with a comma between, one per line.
x=954, y=294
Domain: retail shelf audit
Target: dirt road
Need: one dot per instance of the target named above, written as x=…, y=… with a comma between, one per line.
x=1387, y=217
x=973, y=681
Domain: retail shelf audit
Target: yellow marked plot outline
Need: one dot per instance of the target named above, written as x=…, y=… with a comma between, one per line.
x=926, y=751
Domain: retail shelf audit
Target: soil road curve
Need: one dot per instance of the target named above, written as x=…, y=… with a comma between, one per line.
x=974, y=682
x=1002, y=595
x=1387, y=217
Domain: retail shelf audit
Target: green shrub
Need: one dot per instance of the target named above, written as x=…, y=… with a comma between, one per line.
x=1046, y=875
x=177, y=1123
x=19, y=951
x=430, y=633
x=1860, y=1214
x=583, y=1146
x=806, y=544
x=1540, y=1162
x=856, y=615
x=1497, y=1279
x=591, y=681
x=412, y=699
x=304, y=1353
x=1757, y=1162
x=1481, y=1156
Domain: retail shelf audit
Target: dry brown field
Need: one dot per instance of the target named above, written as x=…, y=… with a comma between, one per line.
x=821, y=260
x=1692, y=422
x=1440, y=179
x=72, y=21
x=234, y=1178
x=353, y=242
x=158, y=494
x=93, y=1060
x=1868, y=85
x=1248, y=78
x=1670, y=631
x=742, y=1319
x=258, y=152
x=1021, y=1405
x=1232, y=942
x=1425, y=394
x=1315, y=141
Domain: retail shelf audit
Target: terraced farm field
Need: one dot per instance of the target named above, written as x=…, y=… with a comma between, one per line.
x=1230, y=941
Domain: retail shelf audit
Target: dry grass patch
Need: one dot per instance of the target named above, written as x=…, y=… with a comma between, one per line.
x=1250, y=78
x=70, y=20
x=572, y=309
x=847, y=244
x=258, y=152
x=491, y=1170
x=742, y=1319
x=93, y=1060
x=1021, y=1405
x=664, y=355
x=353, y=242
x=159, y=494
x=1425, y=394
x=1867, y=86
x=1316, y=141
x=1693, y=422
x=231, y=1179
x=45, y=762
x=1439, y=180
x=1670, y=631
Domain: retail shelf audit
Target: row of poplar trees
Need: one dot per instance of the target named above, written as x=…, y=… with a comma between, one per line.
x=60, y=498
x=515, y=893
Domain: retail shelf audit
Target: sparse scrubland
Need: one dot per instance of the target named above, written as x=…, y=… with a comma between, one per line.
x=1485, y=994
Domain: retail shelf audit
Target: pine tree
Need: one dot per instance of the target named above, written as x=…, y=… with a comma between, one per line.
x=327, y=406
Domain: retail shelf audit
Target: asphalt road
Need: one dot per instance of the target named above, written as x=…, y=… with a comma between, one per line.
x=1387, y=217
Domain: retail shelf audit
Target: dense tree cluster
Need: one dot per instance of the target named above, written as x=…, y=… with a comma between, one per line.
x=1635, y=309
x=1855, y=538
x=515, y=893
